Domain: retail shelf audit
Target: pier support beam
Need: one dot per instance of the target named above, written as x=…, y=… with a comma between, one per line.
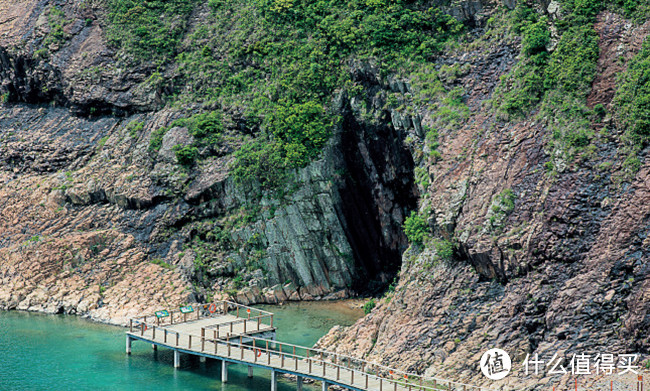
x=250, y=371
x=326, y=385
x=224, y=371
x=201, y=358
x=154, y=346
x=299, y=384
x=128, y=344
x=274, y=380
x=177, y=359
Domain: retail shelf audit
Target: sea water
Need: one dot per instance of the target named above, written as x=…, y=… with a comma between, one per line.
x=59, y=352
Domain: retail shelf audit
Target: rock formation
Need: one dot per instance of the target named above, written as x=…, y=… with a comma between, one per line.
x=529, y=245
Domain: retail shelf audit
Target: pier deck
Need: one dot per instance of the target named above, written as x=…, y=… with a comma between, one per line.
x=230, y=333
x=222, y=324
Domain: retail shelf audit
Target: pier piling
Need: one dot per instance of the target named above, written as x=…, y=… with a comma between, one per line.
x=224, y=371
x=177, y=359
x=256, y=346
x=274, y=380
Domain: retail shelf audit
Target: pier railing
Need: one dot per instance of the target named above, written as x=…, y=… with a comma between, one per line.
x=285, y=356
x=245, y=315
x=292, y=355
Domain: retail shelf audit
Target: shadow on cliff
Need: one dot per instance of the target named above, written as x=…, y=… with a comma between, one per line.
x=377, y=191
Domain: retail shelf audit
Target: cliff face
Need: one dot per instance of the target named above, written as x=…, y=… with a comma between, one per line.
x=564, y=269
x=89, y=209
x=72, y=226
x=530, y=230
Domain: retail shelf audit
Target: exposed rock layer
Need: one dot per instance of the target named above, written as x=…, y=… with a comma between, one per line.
x=567, y=271
x=66, y=140
x=94, y=223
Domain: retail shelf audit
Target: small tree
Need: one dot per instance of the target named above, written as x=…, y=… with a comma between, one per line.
x=369, y=306
x=416, y=228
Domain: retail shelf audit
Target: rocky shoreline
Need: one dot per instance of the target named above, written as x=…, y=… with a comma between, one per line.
x=521, y=237
x=278, y=294
x=96, y=292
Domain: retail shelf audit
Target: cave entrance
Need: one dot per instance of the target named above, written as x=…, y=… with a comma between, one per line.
x=377, y=190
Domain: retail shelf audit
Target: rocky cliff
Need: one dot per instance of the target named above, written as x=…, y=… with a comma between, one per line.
x=81, y=187
x=542, y=261
x=489, y=171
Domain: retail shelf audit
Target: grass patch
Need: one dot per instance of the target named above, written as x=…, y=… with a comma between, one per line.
x=632, y=103
x=560, y=80
x=161, y=263
x=206, y=129
x=147, y=30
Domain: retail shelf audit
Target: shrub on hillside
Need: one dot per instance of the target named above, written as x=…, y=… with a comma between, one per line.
x=416, y=228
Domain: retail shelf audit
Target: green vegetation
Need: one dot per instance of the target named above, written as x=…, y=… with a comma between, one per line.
x=633, y=107
x=416, y=228
x=155, y=143
x=392, y=286
x=260, y=160
x=301, y=130
x=134, y=128
x=297, y=133
x=161, y=263
x=571, y=70
x=444, y=249
x=285, y=59
x=212, y=243
x=55, y=20
x=636, y=10
x=186, y=155
x=33, y=239
x=278, y=63
x=238, y=282
x=148, y=29
x=422, y=177
x=369, y=305
x=523, y=87
x=206, y=129
x=502, y=205
x=446, y=104
x=560, y=80
x=431, y=140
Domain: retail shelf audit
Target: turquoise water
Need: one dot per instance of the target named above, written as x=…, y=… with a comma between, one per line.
x=57, y=352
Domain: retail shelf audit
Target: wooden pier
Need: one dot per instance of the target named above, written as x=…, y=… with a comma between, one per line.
x=237, y=334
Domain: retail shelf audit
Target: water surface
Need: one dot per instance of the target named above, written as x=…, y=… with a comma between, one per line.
x=58, y=352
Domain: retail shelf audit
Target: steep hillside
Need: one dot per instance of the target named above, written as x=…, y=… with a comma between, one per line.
x=532, y=230
x=480, y=164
